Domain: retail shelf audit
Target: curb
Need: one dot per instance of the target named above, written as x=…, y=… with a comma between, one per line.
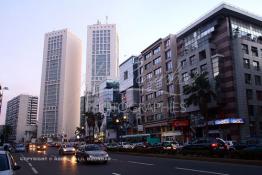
x=220, y=160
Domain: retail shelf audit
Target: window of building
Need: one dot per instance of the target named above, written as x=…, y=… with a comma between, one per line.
x=141, y=70
x=215, y=66
x=157, y=60
x=149, y=76
x=254, y=51
x=150, y=96
x=250, y=110
x=167, y=43
x=256, y=65
x=170, y=77
x=147, y=66
x=203, y=68
x=246, y=63
x=258, y=80
x=148, y=55
x=158, y=93
x=245, y=48
x=192, y=60
x=158, y=71
x=259, y=95
x=125, y=75
x=169, y=66
x=158, y=83
x=170, y=89
x=185, y=77
x=193, y=72
x=248, y=79
x=183, y=64
x=168, y=54
x=156, y=50
x=202, y=55
x=249, y=94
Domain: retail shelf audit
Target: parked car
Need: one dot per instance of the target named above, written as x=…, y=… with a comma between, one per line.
x=216, y=145
x=91, y=153
x=112, y=145
x=66, y=149
x=128, y=145
x=7, y=164
x=170, y=145
x=20, y=148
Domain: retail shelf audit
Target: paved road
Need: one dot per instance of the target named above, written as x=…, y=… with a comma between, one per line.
x=51, y=163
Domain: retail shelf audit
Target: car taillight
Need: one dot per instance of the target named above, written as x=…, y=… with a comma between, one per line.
x=213, y=145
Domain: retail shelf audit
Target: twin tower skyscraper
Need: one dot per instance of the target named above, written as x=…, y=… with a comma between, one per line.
x=59, y=106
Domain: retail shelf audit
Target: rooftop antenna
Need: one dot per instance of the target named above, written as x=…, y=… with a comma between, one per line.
x=106, y=19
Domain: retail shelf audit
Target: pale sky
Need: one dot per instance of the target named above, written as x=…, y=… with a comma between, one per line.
x=139, y=23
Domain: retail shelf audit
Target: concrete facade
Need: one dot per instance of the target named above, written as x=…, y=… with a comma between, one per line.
x=21, y=115
x=60, y=84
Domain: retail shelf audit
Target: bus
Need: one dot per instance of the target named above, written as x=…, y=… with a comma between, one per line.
x=137, y=138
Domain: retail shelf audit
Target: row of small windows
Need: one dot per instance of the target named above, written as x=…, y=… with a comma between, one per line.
x=254, y=50
x=157, y=50
x=255, y=64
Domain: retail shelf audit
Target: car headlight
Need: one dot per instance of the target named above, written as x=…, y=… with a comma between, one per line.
x=74, y=149
x=44, y=146
x=64, y=149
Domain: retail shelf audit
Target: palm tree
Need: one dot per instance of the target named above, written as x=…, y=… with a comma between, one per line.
x=79, y=131
x=200, y=93
x=99, y=119
x=90, y=119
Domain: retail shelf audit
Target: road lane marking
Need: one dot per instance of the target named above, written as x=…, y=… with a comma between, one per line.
x=30, y=164
x=116, y=174
x=141, y=163
x=200, y=171
x=34, y=170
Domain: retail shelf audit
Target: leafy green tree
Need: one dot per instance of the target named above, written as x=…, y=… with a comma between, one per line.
x=199, y=94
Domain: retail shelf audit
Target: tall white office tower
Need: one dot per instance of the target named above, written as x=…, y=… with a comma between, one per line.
x=102, y=55
x=60, y=85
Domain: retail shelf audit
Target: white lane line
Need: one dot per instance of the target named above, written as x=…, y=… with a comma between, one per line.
x=30, y=164
x=201, y=171
x=141, y=163
x=34, y=170
x=116, y=174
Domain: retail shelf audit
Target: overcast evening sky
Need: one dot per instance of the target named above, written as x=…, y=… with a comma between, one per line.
x=23, y=24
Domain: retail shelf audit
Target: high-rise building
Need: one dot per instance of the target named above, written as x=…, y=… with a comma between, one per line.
x=102, y=55
x=21, y=116
x=60, y=84
x=227, y=45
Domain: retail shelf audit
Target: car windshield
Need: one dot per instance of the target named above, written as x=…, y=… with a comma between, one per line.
x=92, y=148
x=4, y=165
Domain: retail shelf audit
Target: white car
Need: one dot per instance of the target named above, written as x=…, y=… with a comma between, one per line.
x=91, y=153
x=7, y=164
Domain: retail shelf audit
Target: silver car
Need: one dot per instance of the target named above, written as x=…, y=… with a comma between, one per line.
x=66, y=149
x=91, y=153
x=7, y=164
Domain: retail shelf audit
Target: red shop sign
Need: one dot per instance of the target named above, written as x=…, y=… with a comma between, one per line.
x=179, y=123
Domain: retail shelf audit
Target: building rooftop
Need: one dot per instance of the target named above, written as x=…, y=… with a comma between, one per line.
x=222, y=9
